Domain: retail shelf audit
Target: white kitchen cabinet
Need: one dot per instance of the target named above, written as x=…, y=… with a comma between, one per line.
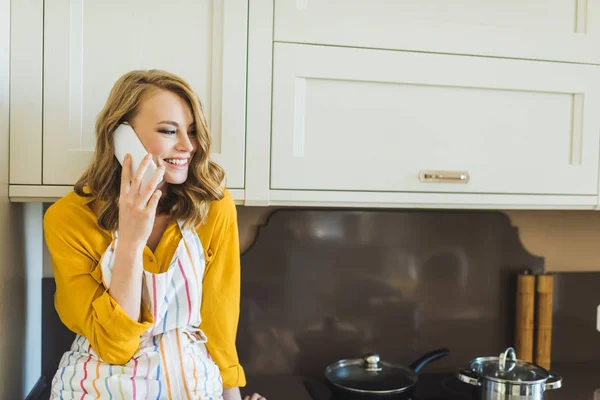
x=347, y=103
x=558, y=30
x=87, y=46
x=351, y=118
x=359, y=120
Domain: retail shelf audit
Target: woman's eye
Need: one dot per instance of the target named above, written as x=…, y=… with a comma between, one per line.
x=192, y=133
x=167, y=132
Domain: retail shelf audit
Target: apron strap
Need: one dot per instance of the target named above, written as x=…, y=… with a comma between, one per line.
x=186, y=235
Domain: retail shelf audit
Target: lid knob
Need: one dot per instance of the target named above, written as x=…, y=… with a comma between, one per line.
x=372, y=362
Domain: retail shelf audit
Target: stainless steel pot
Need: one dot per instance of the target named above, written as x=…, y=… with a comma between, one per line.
x=507, y=378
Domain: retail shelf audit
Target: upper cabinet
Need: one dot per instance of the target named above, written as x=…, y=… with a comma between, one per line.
x=87, y=46
x=424, y=103
x=558, y=30
x=347, y=119
x=331, y=103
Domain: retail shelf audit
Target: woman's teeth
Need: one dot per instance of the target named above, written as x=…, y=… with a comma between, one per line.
x=176, y=161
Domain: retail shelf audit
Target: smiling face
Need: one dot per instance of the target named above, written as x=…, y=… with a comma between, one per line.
x=166, y=127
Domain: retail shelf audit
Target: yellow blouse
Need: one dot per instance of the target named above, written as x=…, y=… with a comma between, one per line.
x=76, y=243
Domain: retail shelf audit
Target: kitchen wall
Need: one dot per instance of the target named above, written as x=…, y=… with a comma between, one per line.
x=566, y=242
x=323, y=284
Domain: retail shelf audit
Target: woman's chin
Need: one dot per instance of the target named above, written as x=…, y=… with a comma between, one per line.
x=175, y=179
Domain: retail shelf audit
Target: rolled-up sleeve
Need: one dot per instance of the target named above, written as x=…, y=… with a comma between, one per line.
x=81, y=300
x=221, y=294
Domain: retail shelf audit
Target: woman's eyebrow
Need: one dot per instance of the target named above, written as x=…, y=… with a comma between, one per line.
x=168, y=123
x=175, y=123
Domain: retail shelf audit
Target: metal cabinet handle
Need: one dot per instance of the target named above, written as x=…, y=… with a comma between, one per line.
x=444, y=176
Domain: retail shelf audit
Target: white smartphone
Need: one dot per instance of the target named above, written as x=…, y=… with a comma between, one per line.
x=127, y=141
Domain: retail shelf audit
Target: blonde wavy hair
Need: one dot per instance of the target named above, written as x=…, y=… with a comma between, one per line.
x=188, y=201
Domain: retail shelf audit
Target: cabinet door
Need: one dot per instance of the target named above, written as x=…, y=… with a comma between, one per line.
x=564, y=30
x=88, y=45
x=373, y=120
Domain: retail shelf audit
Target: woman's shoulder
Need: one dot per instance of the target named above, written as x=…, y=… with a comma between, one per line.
x=71, y=212
x=69, y=204
x=71, y=230
x=224, y=208
x=221, y=213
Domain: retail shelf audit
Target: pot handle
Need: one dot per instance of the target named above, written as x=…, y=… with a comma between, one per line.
x=427, y=358
x=468, y=376
x=553, y=382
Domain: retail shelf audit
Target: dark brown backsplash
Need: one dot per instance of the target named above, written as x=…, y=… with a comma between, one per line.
x=576, y=299
x=322, y=285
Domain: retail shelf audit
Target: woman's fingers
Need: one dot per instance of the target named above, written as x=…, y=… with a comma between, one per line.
x=147, y=192
x=126, y=175
x=154, y=199
x=136, y=182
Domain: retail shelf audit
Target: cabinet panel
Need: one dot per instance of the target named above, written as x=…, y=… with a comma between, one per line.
x=549, y=29
x=87, y=46
x=26, y=22
x=372, y=120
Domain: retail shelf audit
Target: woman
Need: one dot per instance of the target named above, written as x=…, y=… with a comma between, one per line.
x=148, y=277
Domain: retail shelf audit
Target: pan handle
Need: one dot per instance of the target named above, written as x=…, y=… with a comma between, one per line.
x=427, y=358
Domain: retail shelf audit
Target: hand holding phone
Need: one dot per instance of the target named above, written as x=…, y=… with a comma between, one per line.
x=127, y=141
x=139, y=196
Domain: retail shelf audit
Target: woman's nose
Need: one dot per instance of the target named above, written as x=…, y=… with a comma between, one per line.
x=184, y=143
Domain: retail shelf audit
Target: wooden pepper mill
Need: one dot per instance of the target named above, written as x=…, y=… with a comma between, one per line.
x=525, y=316
x=543, y=319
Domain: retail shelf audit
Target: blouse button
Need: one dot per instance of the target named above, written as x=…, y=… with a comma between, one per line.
x=150, y=259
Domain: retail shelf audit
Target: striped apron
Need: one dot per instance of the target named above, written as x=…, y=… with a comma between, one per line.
x=172, y=361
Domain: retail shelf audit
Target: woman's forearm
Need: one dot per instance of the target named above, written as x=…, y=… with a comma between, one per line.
x=232, y=394
x=126, y=280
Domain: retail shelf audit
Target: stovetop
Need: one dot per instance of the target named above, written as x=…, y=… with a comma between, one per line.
x=580, y=382
x=429, y=387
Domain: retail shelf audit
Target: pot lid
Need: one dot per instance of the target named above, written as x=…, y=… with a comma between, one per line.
x=370, y=374
x=507, y=367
